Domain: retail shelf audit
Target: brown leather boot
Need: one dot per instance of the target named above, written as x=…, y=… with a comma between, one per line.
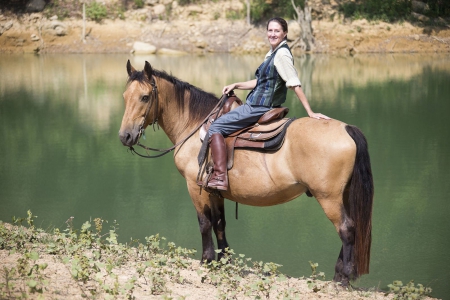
x=219, y=178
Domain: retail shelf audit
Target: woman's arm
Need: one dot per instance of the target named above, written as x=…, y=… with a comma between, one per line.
x=299, y=92
x=246, y=85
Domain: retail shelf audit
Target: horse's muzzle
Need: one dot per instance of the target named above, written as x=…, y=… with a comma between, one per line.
x=128, y=138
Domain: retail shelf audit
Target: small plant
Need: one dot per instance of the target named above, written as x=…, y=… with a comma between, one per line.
x=139, y=3
x=313, y=279
x=409, y=291
x=96, y=11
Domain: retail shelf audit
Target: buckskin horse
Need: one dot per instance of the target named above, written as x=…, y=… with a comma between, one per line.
x=326, y=159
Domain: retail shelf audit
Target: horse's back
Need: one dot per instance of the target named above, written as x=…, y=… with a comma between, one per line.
x=317, y=155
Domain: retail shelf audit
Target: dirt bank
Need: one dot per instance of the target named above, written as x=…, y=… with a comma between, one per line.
x=30, y=33
x=91, y=265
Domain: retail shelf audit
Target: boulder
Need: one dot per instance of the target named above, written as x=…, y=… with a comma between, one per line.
x=143, y=48
x=420, y=17
x=56, y=28
x=194, y=9
x=35, y=6
x=419, y=6
x=7, y=25
x=159, y=9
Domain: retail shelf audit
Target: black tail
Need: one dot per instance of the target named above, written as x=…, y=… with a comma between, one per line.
x=361, y=201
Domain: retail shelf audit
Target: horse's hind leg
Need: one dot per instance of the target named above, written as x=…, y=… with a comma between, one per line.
x=336, y=212
x=345, y=266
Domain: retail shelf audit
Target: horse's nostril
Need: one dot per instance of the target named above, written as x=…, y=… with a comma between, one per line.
x=125, y=138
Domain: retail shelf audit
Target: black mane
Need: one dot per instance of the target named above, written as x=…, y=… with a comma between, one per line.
x=200, y=102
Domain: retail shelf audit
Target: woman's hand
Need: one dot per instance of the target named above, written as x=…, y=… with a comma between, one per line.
x=227, y=89
x=318, y=116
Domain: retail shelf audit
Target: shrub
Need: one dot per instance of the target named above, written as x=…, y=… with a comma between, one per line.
x=96, y=11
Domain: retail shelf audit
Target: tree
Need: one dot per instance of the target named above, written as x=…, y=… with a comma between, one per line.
x=306, y=39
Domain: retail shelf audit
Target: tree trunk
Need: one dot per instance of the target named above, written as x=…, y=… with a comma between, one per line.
x=306, y=39
x=248, y=12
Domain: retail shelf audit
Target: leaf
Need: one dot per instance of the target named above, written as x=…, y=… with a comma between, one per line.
x=34, y=255
x=32, y=283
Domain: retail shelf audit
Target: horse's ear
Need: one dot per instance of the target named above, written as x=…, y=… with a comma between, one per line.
x=130, y=68
x=148, y=70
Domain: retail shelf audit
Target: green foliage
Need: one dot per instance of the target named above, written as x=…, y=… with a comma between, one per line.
x=63, y=8
x=385, y=10
x=139, y=3
x=313, y=282
x=438, y=8
x=409, y=291
x=96, y=11
x=92, y=256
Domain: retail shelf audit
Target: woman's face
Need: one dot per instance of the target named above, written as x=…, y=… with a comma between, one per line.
x=275, y=34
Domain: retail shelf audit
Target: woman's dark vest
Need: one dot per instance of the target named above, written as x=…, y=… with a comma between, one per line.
x=270, y=89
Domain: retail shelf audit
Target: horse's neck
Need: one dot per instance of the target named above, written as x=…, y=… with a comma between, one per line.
x=172, y=119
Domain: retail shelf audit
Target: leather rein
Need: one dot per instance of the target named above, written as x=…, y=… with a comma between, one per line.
x=154, y=99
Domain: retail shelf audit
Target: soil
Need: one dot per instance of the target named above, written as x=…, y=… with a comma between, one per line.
x=61, y=285
x=30, y=255
x=34, y=33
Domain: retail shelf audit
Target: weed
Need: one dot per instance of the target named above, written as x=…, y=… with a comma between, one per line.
x=409, y=291
x=96, y=11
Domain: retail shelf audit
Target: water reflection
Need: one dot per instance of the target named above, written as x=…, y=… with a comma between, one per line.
x=61, y=156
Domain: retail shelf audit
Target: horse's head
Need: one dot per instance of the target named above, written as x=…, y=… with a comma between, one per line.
x=141, y=104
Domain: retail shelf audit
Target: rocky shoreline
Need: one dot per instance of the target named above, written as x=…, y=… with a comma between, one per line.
x=205, y=28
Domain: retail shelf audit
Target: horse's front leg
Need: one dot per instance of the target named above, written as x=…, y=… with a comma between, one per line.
x=205, y=211
x=218, y=221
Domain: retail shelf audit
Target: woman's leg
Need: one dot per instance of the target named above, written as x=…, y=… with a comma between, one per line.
x=237, y=119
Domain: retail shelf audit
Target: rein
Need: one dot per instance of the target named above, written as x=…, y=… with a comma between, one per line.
x=154, y=99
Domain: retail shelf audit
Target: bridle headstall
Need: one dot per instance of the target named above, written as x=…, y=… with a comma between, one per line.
x=154, y=100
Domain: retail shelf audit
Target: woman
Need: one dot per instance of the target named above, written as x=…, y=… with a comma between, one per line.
x=273, y=77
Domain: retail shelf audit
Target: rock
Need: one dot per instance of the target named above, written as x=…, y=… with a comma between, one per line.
x=194, y=9
x=165, y=2
x=34, y=38
x=56, y=28
x=35, y=6
x=167, y=51
x=416, y=37
x=174, y=4
x=420, y=17
x=202, y=44
x=419, y=6
x=54, y=18
x=143, y=48
x=35, y=17
x=151, y=2
x=159, y=9
x=7, y=25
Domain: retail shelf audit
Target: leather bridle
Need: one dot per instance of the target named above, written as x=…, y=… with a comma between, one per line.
x=154, y=100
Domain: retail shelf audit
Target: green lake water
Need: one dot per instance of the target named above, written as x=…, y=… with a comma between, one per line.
x=60, y=156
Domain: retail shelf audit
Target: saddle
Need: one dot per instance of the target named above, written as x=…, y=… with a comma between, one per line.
x=266, y=134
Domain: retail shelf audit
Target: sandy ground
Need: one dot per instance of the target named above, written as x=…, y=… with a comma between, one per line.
x=61, y=285
x=32, y=33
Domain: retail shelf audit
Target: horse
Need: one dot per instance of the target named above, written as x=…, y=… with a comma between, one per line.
x=327, y=159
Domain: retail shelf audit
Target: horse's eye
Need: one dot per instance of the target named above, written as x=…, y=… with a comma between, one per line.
x=144, y=98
